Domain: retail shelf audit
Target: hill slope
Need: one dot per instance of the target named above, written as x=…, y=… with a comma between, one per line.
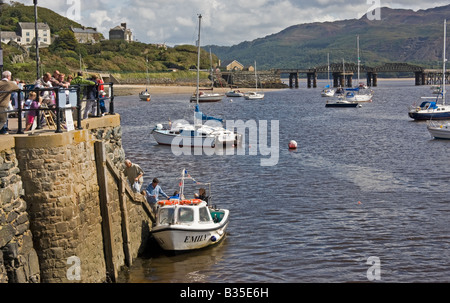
x=400, y=36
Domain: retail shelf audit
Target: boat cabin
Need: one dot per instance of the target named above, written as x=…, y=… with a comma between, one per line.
x=428, y=105
x=186, y=212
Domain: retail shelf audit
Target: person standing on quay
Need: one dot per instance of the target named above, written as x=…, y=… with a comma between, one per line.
x=134, y=174
x=6, y=86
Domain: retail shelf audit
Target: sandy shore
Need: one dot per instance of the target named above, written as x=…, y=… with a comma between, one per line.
x=128, y=90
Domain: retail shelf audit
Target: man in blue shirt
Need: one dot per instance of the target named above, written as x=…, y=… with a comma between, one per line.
x=153, y=190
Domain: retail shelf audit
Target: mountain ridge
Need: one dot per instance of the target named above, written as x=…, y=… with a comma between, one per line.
x=402, y=35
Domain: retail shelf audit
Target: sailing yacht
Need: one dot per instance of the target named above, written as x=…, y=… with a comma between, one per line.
x=254, y=95
x=328, y=91
x=433, y=108
x=441, y=131
x=361, y=93
x=198, y=134
x=145, y=95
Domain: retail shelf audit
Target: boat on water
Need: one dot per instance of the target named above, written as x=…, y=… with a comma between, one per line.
x=145, y=95
x=341, y=102
x=442, y=130
x=328, y=91
x=189, y=224
x=436, y=109
x=359, y=94
x=206, y=97
x=255, y=95
x=439, y=130
x=184, y=134
x=235, y=93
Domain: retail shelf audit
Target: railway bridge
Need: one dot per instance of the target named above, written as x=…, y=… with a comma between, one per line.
x=344, y=73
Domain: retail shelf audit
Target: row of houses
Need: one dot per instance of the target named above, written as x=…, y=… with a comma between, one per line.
x=25, y=34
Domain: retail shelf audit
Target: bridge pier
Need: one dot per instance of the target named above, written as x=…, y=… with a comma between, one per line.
x=293, y=80
x=312, y=77
x=341, y=80
x=372, y=79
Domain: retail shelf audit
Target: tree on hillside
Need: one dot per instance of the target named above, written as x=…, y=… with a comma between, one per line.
x=65, y=41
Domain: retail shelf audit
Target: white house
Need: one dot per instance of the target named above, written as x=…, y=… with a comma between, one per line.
x=26, y=30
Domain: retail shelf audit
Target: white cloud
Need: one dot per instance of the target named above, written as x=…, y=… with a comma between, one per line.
x=224, y=22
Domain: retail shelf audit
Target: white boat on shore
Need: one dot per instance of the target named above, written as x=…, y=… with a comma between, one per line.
x=188, y=224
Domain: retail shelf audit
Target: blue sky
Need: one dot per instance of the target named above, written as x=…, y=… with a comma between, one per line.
x=225, y=22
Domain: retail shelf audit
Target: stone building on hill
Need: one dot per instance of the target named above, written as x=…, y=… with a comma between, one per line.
x=121, y=32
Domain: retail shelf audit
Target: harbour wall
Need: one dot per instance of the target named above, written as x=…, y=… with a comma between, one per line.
x=67, y=212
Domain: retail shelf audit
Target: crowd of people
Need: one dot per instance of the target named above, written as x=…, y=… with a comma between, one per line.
x=32, y=101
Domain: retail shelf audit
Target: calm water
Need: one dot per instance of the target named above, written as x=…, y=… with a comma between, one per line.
x=364, y=182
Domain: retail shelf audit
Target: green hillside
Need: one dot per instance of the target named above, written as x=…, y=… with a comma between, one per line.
x=400, y=36
x=68, y=56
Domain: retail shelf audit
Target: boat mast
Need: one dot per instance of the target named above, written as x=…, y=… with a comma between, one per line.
x=359, y=58
x=256, y=79
x=445, y=61
x=328, y=60
x=198, y=57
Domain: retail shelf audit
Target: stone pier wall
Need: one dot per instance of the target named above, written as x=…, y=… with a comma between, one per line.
x=18, y=259
x=61, y=190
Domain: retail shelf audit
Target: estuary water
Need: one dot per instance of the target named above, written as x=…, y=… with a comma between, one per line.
x=364, y=182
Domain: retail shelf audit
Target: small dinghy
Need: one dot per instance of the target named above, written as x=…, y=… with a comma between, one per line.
x=188, y=224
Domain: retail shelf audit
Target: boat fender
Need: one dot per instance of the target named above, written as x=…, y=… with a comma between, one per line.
x=165, y=202
x=213, y=239
x=196, y=201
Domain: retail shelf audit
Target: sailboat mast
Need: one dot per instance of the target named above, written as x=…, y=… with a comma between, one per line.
x=445, y=61
x=256, y=79
x=328, y=60
x=198, y=57
x=359, y=58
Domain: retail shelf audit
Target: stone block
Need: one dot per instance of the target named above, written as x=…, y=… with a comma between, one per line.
x=7, y=233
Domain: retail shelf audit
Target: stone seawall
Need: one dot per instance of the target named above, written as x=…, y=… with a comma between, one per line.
x=18, y=259
x=58, y=181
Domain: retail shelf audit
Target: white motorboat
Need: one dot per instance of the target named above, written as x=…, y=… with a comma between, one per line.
x=184, y=134
x=235, y=94
x=188, y=224
x=207, y=97
x=434, y=110
x=439, y=131
x=254, y=96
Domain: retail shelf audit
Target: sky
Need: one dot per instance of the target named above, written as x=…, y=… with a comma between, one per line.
x=224, y=22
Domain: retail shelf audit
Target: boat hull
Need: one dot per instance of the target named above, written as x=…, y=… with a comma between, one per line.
x=429, y=115
x=440, y=132
x=185, y=238
x=164, y=137
x=341, y=104
x=209, y=98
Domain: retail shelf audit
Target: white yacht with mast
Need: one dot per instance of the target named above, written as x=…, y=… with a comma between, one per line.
x=441, y=131
x=198, y=134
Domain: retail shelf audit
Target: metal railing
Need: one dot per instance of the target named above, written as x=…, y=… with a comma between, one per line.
x=65, y=98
